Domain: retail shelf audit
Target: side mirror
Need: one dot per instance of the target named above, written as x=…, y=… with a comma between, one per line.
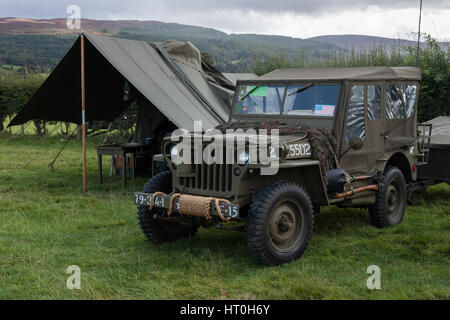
x=356, y=143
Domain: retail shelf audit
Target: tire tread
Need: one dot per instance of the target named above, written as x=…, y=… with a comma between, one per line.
x=260, y=207
x=377, y=211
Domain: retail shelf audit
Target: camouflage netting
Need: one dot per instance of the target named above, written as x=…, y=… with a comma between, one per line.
x=323, y=144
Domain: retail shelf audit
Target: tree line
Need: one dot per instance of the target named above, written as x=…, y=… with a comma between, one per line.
x=16, y=88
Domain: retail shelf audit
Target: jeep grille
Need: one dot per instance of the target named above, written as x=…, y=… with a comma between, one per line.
x=214, y=177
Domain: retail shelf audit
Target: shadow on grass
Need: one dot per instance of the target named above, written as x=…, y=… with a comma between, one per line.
x=334, y=220
x=209, y=247
x=212, y=246
x=436, y=195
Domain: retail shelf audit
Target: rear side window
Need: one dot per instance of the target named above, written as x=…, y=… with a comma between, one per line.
x=409, y=96
x=400, y=101
x=373, y=102
x=356, y=125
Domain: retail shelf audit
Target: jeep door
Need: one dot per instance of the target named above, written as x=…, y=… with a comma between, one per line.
x=364, y=120
x=400, y=116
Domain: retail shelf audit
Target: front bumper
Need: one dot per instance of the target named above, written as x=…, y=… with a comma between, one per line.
x=230, y=211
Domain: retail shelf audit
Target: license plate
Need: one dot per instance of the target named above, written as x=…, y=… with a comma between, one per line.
x=145, y=199
x=142, y=198
x=229, y=210
x=299, y=150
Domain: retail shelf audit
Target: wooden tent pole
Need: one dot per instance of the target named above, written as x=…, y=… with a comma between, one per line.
x=83, y=110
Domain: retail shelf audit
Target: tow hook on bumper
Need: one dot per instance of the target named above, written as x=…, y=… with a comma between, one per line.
x=185, y=204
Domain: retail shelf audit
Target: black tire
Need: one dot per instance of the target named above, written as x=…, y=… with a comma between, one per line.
x=390, y=202
x=158, y=231
x=274, y=234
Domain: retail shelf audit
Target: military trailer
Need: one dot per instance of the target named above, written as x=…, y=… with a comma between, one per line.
x=347, y=137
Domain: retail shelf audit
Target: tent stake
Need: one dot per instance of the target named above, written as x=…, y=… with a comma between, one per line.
x=83, y=111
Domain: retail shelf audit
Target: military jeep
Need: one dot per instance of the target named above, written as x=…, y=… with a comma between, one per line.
x=346, y=137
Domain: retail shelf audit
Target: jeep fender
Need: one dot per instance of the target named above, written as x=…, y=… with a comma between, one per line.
x=305, y=173
x=401, y=159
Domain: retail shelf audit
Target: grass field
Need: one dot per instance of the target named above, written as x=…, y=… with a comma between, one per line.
x=48, y=223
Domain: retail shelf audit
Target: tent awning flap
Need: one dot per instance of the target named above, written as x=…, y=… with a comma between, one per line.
x=111, y=60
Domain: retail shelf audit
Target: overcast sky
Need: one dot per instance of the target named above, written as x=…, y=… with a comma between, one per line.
x=296, y=18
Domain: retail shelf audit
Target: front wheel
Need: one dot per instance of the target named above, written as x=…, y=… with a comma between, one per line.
x=280, y=223
x=390, y=201
x=156, y=230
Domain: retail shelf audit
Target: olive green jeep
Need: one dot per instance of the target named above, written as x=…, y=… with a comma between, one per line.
x=345, y=137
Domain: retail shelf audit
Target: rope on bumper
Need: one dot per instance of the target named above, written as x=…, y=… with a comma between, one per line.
x=193, y=205
x=172, y=197
x=219, y=211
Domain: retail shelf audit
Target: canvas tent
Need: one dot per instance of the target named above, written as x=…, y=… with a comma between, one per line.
x=171, y=76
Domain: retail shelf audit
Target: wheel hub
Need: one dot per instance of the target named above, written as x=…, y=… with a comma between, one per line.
x=285, y=226
x=285, y=222
x=391, y=199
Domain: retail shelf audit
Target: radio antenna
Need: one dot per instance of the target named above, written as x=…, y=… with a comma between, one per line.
x=418, y=35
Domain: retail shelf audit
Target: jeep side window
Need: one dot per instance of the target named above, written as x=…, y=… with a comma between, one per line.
x=395, y=106
x=356, y=125
x=373, y=102
x=409, y=96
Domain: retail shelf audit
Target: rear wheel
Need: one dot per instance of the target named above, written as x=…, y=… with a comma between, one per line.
x=280, y=223
x=158, y=231
x=390, y=203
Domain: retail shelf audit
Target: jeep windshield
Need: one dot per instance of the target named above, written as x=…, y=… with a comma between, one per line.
x=308, y=99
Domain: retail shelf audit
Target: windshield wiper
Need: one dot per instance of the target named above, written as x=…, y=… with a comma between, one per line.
x=301, y=89
x=248, y=93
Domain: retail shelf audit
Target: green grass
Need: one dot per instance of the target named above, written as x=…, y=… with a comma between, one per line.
x=48, y=223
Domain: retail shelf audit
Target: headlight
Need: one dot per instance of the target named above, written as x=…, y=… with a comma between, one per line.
x=243, y=157
x=174, y=152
